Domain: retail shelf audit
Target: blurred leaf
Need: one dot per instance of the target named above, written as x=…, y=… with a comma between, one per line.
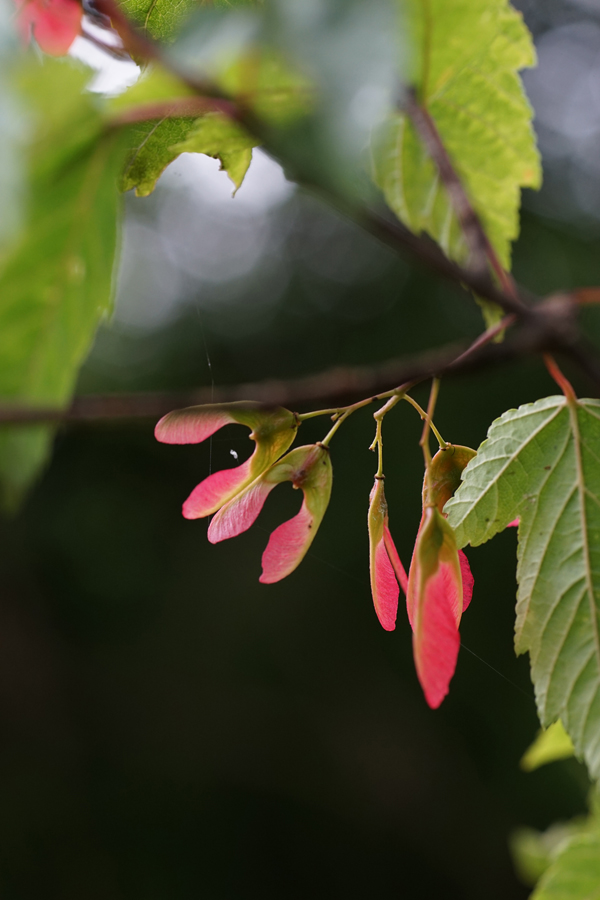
x=153, y=146
x=533, y=851
x=55, y=283
x=13, y=129
x=575, y=874
x=540, y=463
x=158, y=142
x=351, y=54
x=151, y=142
x=466, y=57
x=338, y=59
x=162, y=19
x=155, y=84
x=275, y=92
x=550, y=745
x=217, y=136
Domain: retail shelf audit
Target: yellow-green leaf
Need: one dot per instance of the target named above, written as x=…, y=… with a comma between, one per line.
x=551, y=744
x=466, y=57
x=216, y=135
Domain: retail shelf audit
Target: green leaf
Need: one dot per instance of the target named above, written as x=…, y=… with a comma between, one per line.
x=575, y=874
x=217, y=136
x=55, y=283
x=162, y=19
x=151, y=141
x=541, y=463
x=155, y=85
x=13, y=130
x=550, y=745
x=154, y=145
x=533, y=851
x=467, y=54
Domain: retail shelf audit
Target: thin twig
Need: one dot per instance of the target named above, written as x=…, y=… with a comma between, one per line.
x=337, y=384
x=191, y=107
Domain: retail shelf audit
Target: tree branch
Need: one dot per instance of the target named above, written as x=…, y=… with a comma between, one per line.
x=550, y=330
x=192, y=107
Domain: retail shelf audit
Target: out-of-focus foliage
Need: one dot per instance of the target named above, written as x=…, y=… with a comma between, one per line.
x=163, y=19
x=534, y=851
x=153, y=146
x=12, y=130
x=160, y=19
x=151, y=143
x=347, y=57
x=55, y=278
x=551, y=744
x=217, y=136
x=575, y=872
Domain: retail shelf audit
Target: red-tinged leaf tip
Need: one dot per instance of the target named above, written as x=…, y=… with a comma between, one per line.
x=467, y=579
x=193, y=425
x=513, y=524
x=216, y=490
x=240, y=513
x=382, y=557
x=308, y=468
x=384, y=587
x=53, y=23
x=272, y=429
x=287, y=546
x=440, y=585
x=397, y=566
x=436, y=641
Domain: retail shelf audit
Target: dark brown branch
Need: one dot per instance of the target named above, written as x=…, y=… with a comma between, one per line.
x=550, y=330
x=162, y=109
x=426, y=251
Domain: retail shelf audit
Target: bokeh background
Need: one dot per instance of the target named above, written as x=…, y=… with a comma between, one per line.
x=171, y=729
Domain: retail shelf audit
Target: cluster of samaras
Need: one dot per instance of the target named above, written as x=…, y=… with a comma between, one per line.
x=439, y=585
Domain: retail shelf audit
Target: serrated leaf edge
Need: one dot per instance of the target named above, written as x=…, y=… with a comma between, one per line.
x=477, y=461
